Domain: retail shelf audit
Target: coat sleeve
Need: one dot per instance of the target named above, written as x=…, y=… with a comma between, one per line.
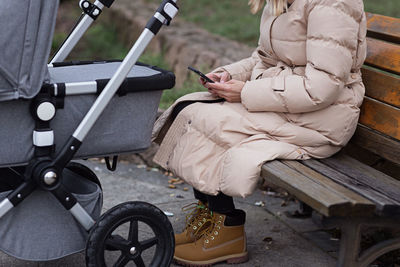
x=332, y=36
x=242, y=69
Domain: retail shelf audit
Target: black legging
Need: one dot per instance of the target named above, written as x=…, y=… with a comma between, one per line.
x=220, y=203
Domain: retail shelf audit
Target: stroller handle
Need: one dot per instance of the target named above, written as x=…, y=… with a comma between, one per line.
x=164, y=15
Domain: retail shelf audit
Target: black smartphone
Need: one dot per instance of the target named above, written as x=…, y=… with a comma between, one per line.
x=202, y=75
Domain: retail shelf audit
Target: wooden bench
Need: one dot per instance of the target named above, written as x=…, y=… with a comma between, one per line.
x=359, y=187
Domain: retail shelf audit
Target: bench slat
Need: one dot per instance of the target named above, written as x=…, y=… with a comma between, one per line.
x=383, y=27
x=359, y=204
x=383, y=55
x=357, y=170
x=359, y=184
x=322, y=198
x=381, y=117
x=381, y=86
x=377, y=143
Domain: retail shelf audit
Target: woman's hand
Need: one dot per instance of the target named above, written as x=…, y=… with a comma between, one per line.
x=216, y=77
x=230, y=90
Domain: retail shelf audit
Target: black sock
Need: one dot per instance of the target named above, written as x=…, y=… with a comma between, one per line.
x=221, y=203
x=235, y=218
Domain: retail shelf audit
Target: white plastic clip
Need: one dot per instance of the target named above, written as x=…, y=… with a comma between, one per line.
x=42, y=139
x=171, y=10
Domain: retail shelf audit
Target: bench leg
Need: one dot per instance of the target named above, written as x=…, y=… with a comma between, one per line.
x=378, y=250
x=349, y=244
x=350, y=254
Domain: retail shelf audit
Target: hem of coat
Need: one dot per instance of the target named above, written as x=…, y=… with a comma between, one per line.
x=169, y=141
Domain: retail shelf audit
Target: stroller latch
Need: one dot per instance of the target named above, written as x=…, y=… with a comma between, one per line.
x=111, y=166
x=90, y=9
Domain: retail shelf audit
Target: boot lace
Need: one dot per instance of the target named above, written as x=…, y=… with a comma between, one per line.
x=213, y=231
x=197, y=216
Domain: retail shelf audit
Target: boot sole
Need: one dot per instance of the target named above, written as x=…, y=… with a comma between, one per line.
x=230, y=259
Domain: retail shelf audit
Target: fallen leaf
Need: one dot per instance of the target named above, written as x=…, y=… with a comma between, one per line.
x=172, y=186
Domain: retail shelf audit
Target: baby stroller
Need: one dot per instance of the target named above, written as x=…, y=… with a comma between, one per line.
x=52, y=114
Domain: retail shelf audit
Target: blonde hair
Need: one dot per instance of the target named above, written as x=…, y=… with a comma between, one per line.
x=276, y=7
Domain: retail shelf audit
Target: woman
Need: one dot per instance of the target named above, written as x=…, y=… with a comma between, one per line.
x=297, y=97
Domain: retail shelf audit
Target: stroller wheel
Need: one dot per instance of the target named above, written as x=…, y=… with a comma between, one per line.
x=131, y=233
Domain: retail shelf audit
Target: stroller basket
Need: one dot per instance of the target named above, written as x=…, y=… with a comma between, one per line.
x=128, y=117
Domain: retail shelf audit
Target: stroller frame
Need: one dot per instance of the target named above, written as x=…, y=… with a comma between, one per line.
x=90, y=13
x=44, y=170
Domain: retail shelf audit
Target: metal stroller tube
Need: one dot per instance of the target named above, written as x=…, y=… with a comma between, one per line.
x=88, y=17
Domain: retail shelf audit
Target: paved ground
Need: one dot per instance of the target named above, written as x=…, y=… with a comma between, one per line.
x=273, y=238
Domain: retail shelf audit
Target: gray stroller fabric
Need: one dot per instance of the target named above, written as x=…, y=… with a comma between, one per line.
x=41, y=229
x=124, y=127
x=25, y=39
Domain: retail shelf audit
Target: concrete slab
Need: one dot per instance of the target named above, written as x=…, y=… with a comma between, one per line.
x=289, y=242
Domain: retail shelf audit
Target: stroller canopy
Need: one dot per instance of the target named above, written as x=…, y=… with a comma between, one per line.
x=26, y=30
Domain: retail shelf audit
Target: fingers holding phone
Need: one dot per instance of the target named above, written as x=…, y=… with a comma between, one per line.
x=211, y=77
x=216, y=77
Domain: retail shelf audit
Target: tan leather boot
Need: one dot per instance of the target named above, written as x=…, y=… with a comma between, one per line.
x=224, y=241
x=197, y=222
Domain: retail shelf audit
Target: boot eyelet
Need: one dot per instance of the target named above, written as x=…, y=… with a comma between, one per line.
x=216, y=233
x=199, y=223
x=219, y=222
x=212, y=238
x=206, y=241
x=220, y=217
x=204, y=220
x=194, y=227
x=219, y=227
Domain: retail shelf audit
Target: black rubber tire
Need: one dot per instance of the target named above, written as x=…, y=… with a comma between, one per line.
x=84, y=171
x=127, y=212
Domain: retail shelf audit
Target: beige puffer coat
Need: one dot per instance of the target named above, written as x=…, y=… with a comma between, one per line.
x=301, y=99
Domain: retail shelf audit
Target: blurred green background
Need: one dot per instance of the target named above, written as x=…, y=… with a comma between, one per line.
x=229, y=18
x=232, y=18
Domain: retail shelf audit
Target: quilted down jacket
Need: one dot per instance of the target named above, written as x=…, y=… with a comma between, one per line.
x=301, y=99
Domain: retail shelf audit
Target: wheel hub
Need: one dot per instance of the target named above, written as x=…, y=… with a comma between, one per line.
x=50, y=178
